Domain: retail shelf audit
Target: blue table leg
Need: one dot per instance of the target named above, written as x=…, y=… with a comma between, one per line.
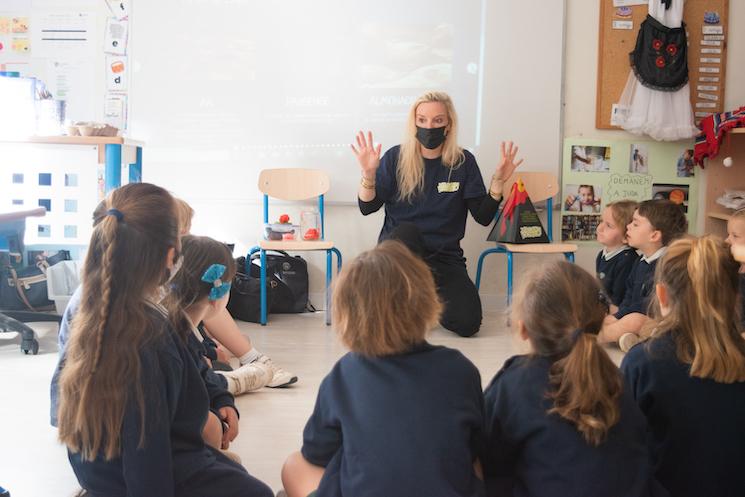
x=509, y=278
x=113, y=167
x=328, y=287
x=135, y=170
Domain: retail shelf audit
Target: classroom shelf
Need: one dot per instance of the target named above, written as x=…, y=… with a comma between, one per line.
x=719, y=215
x=113, y=152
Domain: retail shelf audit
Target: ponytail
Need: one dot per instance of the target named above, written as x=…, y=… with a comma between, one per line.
x=700, y=276
x=584, y=384
x=134, y=229
x=586, y=388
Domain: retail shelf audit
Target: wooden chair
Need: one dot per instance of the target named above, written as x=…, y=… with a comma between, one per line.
x=540, y=186
x=294, y=185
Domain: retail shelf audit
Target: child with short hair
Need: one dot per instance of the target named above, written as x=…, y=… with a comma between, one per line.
x=396, y=416
x=736, y=239
x=689, y=378
x=655, y=224
x=132, y=403
x=200, y=291
x=558, y=420
x=221, y=326
x=614, y=263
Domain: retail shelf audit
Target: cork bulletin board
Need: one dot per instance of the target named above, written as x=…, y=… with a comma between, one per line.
x=707, y=54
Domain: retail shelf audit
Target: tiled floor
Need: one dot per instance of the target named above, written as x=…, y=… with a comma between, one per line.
x=32, y=463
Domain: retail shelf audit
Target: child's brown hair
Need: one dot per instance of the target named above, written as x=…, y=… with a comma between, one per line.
x=701, y=281
x=385, y=301
x=134, y=230
x=562, y=308
x=622, y=212
x=199, y=252
x=665, y=216
x=185, y=215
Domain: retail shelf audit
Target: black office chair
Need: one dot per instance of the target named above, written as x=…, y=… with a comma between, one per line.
x=12, y=226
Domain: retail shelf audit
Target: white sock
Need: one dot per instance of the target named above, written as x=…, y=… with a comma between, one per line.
x=249, y=356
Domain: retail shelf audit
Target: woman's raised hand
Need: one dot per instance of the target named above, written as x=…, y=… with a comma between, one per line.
x=507, y=164
x=368, y=155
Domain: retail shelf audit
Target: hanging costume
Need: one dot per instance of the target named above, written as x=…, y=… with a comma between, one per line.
x=657, y=95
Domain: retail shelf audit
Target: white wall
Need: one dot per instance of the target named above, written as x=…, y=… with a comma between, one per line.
x=354, y=233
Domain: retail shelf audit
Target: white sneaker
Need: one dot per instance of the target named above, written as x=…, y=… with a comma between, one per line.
x=628, y=340
x=247, y=378
x=280, y=377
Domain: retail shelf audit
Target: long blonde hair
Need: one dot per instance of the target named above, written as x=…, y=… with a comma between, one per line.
x=410, y=172
x=700, y=276
x=134, y=229
x=562, y=307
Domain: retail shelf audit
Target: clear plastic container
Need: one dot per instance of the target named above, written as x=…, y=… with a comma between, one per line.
x=281, y=231
x=310, y=225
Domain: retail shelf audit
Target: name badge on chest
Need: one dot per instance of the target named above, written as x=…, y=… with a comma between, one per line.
x=448, y=187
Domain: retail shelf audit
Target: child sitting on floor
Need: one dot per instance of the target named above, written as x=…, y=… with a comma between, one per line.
x=396, y=416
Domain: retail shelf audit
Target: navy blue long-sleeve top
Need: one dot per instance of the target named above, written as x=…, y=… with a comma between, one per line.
x=639, y=288
x=216, y=388
x=401, y=425
x=696, y=424
x=530, y=452
x=440, y=210
x=614, y=272
x=176, y=408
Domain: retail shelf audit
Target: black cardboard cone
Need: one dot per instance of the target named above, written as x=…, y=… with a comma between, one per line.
x=518, y=222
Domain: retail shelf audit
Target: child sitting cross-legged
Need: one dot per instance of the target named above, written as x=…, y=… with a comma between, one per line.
x=655, y=224
x=614, y=263
x=689, y=377
x=199, y=291
x=559, y=421
x=396, y=416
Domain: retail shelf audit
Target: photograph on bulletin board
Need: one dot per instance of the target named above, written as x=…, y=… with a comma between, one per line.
x=590, y=159
x=579, y=228
x=636, y=170
x=583, y=199
x=685, y=165
x=678, y=194
x=639, y=159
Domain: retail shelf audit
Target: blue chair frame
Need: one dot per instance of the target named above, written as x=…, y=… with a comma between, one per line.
x=502, y=249
x=329, y=252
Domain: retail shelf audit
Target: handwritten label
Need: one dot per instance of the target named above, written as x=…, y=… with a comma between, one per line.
x=709, y=79
x=711, y=50
x=711, y=43
x=629, y=187
x=707, y=88
x=708, y=96
x=708, y=69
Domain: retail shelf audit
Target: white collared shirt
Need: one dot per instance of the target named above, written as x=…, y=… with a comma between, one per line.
x=610, y=255
x=655, y=256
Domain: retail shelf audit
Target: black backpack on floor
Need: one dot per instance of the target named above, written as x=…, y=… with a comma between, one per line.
x=286, y=281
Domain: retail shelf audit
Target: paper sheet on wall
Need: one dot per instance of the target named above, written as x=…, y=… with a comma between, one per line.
x=63, y=35
x=115, y=41
x=117, y=73
x=119, y=8
x=115, y=110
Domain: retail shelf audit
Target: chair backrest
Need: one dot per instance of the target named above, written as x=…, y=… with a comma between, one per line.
x=293, y=183
x=539, y=185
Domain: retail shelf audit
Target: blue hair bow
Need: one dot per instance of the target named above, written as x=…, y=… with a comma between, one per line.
x=219, y=287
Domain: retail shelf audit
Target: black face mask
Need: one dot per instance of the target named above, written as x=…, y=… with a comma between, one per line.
x=430, y=138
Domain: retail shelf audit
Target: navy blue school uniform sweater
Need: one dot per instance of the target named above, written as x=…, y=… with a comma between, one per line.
x=216, y=385
x=174, y=460
x=439, y=211
x=697, y=424
x=530, y=452
x=614, y=272
x=639, y=288
x=401, y=425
